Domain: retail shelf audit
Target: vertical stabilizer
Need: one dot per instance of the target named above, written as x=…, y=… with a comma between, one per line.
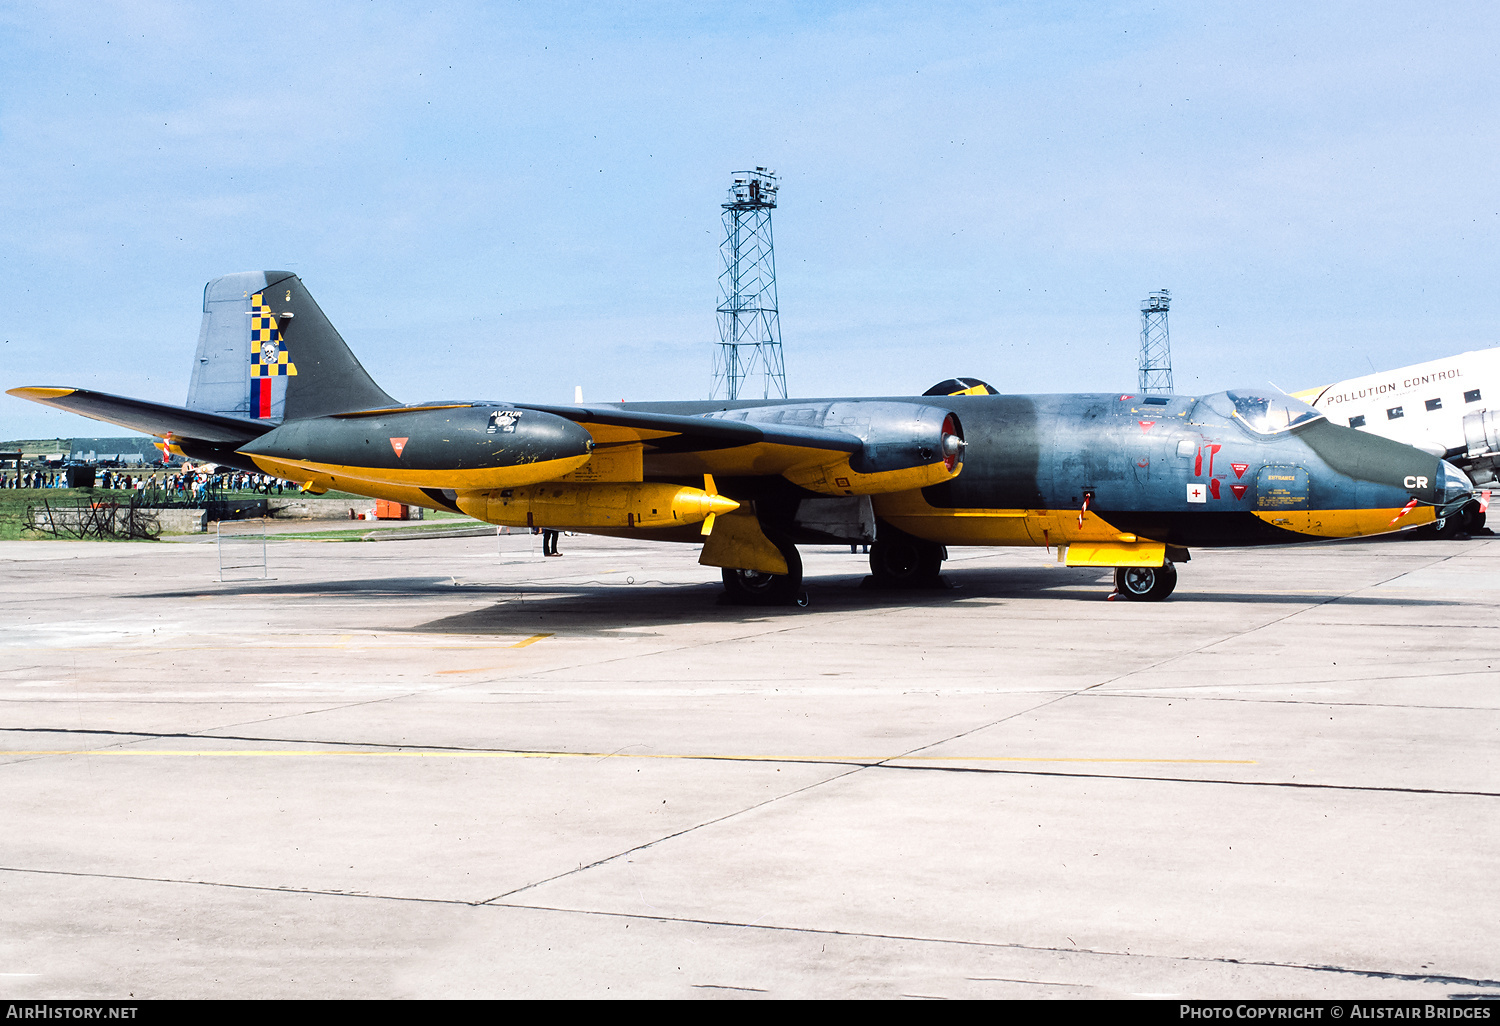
x=267, y=351
x=221, y=370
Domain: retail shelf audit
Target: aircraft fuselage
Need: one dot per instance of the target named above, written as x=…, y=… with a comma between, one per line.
x=1172, y=469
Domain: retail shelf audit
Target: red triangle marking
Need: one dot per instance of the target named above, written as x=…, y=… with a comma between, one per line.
x=398, y=444
x=1240, y=468
x=1238, y=490
x=1145, y=424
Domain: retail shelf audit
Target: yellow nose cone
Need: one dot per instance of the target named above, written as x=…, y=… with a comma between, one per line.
x=719, y=504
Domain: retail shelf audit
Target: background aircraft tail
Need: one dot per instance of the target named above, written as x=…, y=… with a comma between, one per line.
x=267, y=351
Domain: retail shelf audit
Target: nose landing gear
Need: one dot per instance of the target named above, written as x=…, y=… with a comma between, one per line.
x=1145, y=583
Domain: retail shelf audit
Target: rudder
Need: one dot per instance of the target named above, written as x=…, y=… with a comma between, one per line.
x=267, y=351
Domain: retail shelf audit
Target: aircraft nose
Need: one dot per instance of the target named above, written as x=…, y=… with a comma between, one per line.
x=1456, y=490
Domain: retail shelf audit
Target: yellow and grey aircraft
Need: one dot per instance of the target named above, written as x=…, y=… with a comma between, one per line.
x=1115, y=480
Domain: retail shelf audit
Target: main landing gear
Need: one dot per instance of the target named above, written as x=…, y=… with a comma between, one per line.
x=900, y=560
x=1145, y=583
x=897, y=560
x=754, y=588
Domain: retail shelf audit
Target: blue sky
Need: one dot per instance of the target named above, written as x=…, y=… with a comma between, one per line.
x=506, y=200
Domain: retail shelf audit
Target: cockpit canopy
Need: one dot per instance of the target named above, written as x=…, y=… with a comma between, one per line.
x=1262, y=412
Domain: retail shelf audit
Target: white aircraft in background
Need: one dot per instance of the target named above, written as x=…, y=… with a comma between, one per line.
x=1441, y=406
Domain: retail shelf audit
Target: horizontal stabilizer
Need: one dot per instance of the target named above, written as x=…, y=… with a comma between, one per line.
x=146, y=417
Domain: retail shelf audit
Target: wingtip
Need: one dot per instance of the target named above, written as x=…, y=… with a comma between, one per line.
x=39, y=393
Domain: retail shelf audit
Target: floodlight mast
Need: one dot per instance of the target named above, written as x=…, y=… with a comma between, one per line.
x=1156, y=345
x=749, y=323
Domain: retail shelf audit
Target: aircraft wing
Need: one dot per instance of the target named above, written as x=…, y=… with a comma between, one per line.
x=833, y=447
x=709, y=444
x=148, y=418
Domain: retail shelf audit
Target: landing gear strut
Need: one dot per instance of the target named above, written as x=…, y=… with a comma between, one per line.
x=754, y=588
x=1145, y=583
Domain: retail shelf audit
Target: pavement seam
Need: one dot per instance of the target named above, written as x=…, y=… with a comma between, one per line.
x=1421, y=675
x=672, y=836
x=774, y=928
x=1296, y=701
x=1175, y=656
x=890, y=762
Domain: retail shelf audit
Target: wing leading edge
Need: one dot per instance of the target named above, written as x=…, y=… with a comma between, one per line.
x=707, y=432
x=148, y=418
x=888, y=446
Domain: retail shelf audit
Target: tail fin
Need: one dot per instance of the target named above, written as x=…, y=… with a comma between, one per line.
x=267, y=351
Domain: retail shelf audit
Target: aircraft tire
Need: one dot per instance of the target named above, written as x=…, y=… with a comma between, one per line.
x=1145, y=583
x=898, y=560
x=1457, y=526
x=1471, y=518
x=753, y=588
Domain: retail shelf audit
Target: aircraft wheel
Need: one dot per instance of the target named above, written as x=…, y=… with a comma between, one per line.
x=1146, y=583
x=902, y=561
x=1455, y=525
x=1470, y=518
x=1448, y=527
x=754, y=588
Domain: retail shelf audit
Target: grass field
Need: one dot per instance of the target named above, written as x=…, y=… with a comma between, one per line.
x=15, y=501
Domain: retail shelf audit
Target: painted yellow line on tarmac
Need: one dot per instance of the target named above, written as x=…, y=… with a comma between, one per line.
x=853, y=759
x=481, y=669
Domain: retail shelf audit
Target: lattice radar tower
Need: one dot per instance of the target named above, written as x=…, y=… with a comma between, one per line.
x=748, y=362
x=1156, y=345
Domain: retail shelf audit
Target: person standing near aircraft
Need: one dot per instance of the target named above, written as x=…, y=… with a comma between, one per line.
x=549, y=542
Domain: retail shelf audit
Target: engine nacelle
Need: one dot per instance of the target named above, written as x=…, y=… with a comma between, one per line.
x=462, y=447
x=1482, y=432
x=906, y=446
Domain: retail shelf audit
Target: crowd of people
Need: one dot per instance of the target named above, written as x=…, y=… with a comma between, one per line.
x=34, y=479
